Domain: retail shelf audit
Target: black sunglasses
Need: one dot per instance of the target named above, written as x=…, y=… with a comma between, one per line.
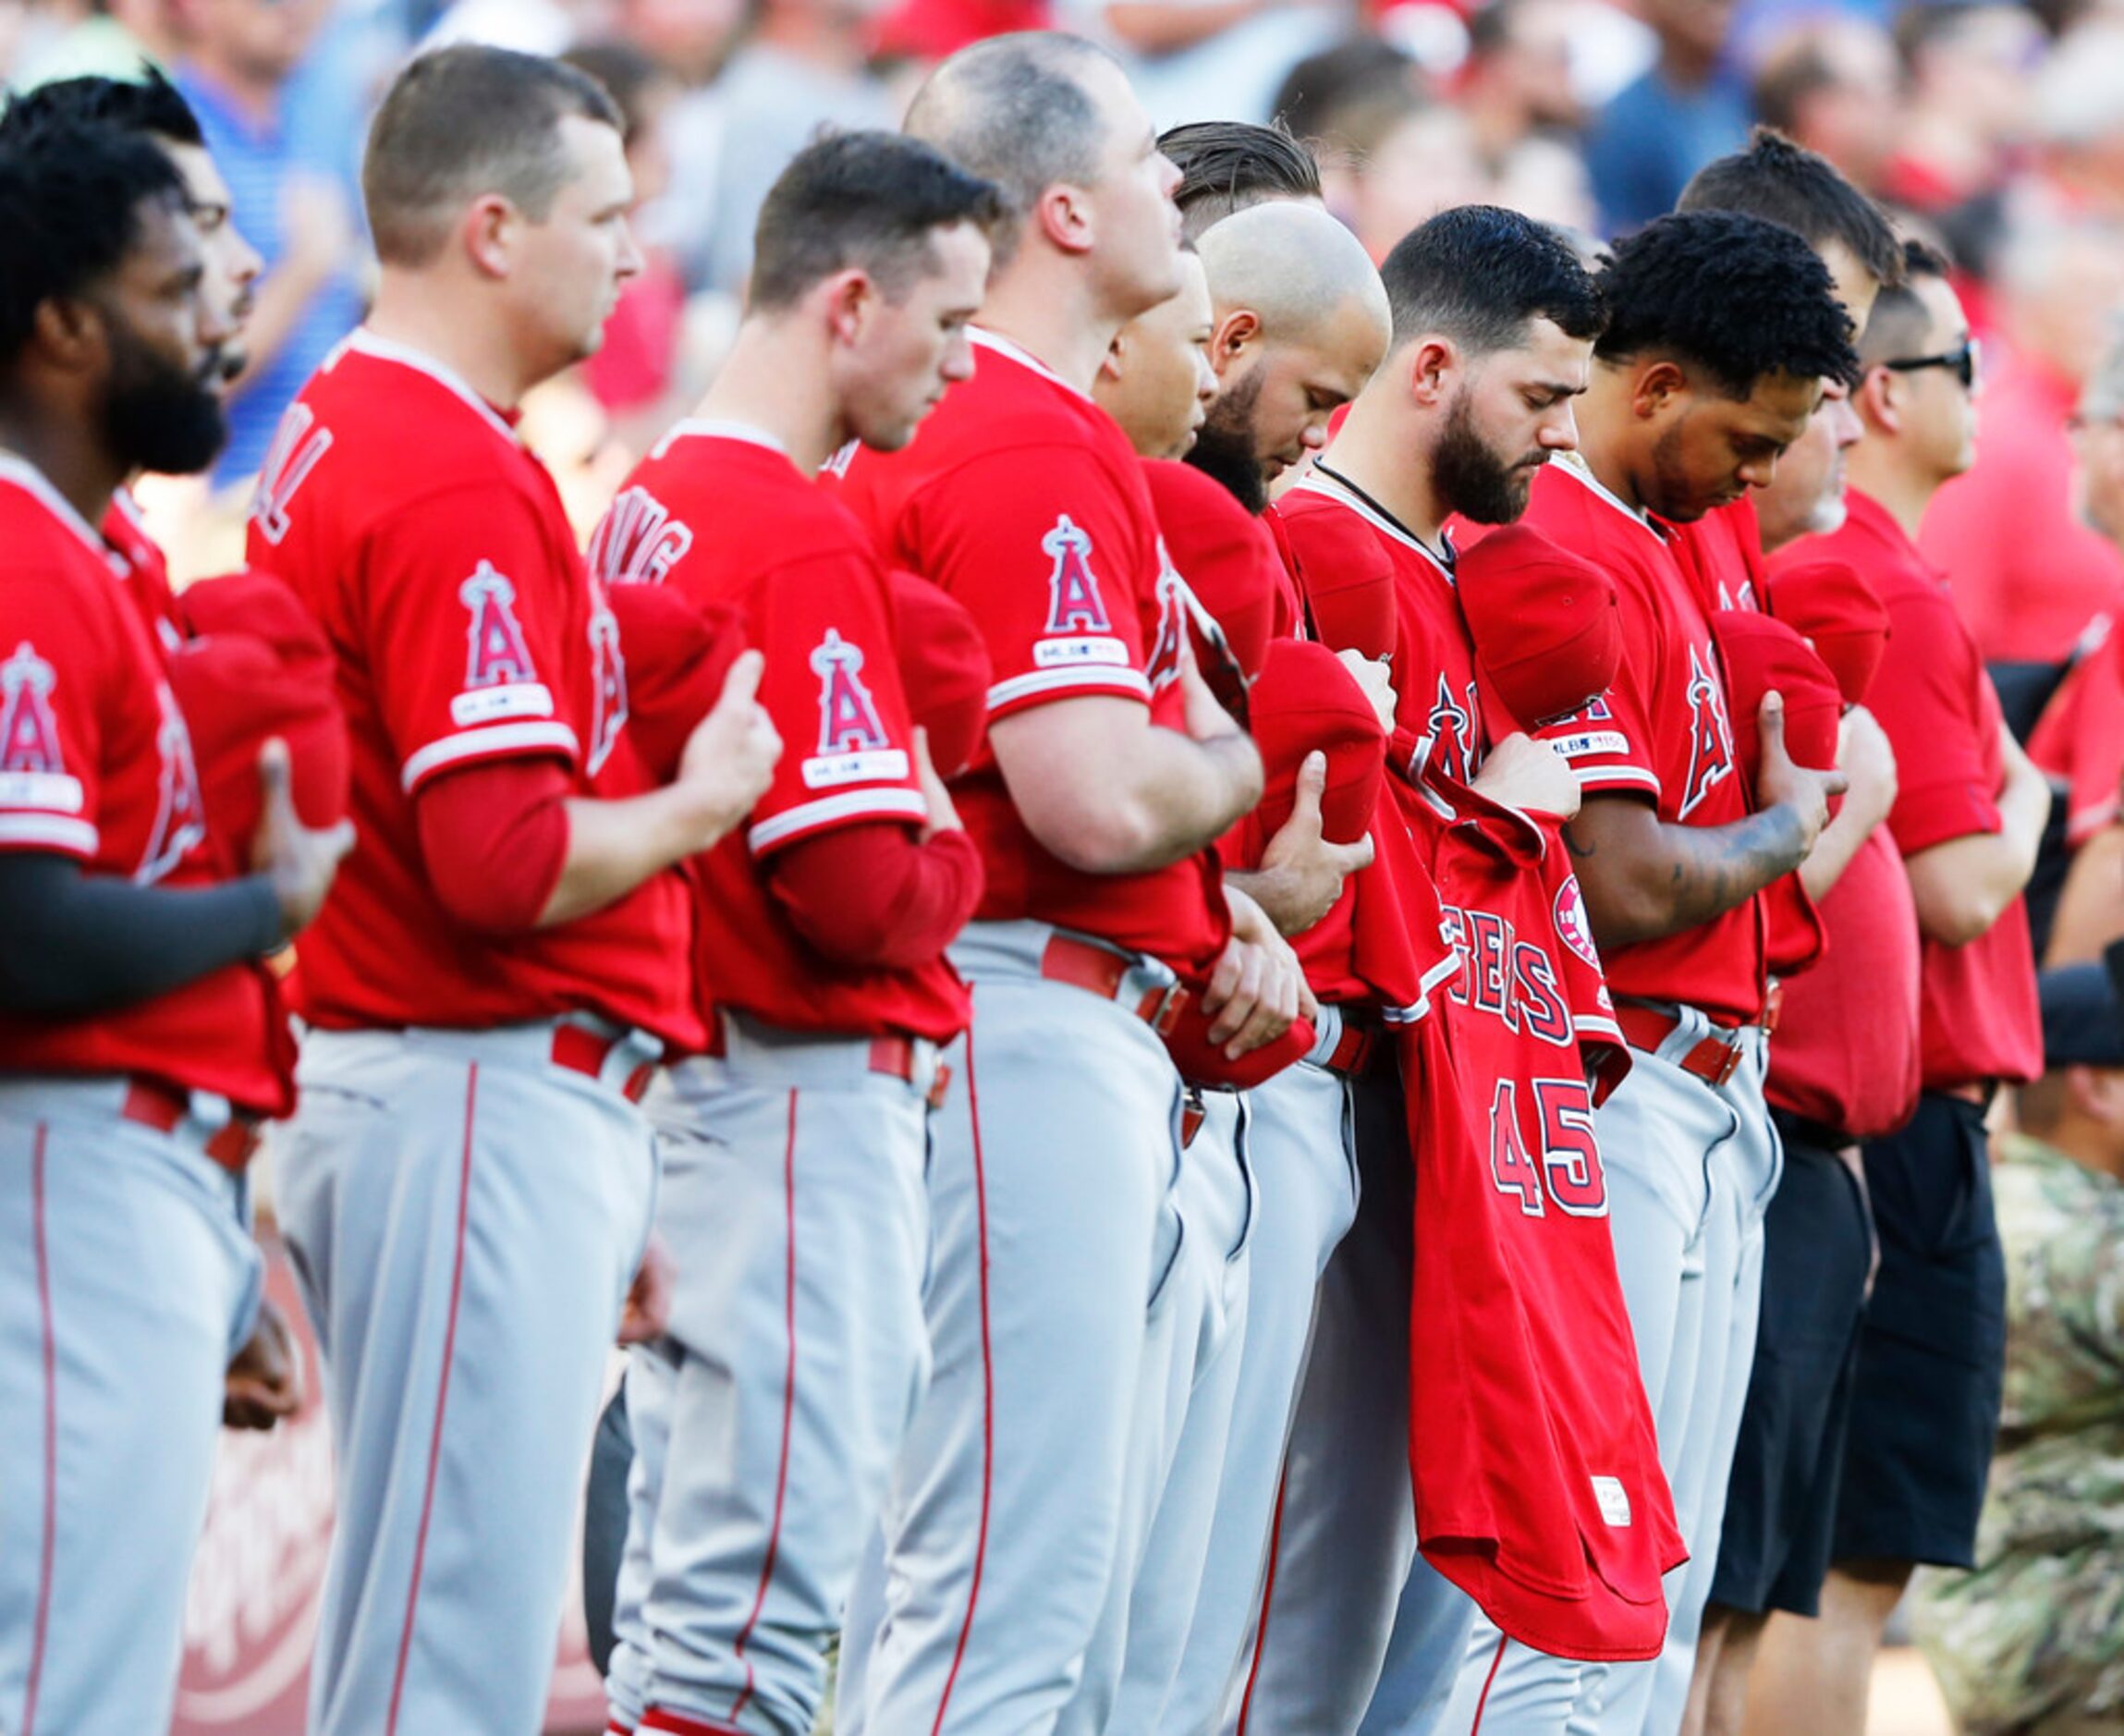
x=1961, y=361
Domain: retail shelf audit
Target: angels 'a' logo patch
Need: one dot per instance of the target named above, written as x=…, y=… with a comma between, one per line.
x=638, y=541
x=180, y=810
x=1161, y=667
x=1709, y=741
x=1452, y=725
x=28, y=733
x=497, y=654
x=608, y=677
x=848, y=721
x=1573, y=928
x=1074, y=604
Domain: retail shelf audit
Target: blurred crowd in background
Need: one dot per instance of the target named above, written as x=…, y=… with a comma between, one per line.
x=1998, y=127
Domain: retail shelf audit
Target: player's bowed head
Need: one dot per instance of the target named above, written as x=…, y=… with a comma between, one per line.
x=1093, y=238
x=870, y=258
x=497, y=191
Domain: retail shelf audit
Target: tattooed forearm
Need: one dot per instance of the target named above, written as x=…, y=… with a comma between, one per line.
x=1645, y=878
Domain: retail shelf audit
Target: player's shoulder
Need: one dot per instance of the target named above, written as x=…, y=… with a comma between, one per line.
x=44, y=543
x=1012, y=405
x=1568, y=506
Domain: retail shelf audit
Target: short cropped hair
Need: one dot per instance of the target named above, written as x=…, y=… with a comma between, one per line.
x=1785, y=183
x=71, y=208
x=872, y=200
x=462, y=122
x=1735, y=295
x=1013, y=110
x=1899, y=320
x=1478, y=273
x=1226, y=165
x=150, y=103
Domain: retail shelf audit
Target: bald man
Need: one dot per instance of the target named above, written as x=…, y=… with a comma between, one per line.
x=1300, y=323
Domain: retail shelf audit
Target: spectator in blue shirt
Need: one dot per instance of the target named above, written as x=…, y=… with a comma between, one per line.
x=1684, y=111
x=284, y=125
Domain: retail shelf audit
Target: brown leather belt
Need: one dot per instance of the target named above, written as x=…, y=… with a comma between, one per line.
x=166, y=1109
x=583, y=1050
x=1358, y=1045
x=1105, y=973
x=898, y=1058
x=1715, y=1057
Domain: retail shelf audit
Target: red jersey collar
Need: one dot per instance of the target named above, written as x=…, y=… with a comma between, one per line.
x=24, y=475
x=364, y=342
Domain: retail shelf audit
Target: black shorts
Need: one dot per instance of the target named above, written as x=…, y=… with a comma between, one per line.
x=1932, y=1353
x=1781, y=1502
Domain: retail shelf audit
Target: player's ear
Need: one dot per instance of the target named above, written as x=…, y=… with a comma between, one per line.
x=1430, y=365
x=1657, y=386
x=71, y=331
x=1063, y=214
x=488, y=231
x=1115, y=358
x=1228, y=341
x=1877, y=399
x=848, y=300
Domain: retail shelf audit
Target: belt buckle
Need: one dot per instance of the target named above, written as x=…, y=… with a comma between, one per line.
x=1159, y=1006
x=1729, y=1064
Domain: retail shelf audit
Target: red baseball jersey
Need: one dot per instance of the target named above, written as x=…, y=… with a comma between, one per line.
x=149, y=578
x=1384, y=940
x=466, y=630
x=1979, y=1015
x=807, y=584
x=96, y=766
x=1022, y=499
x=1566, y=1520
x=1662, y=733
x=1722, y=554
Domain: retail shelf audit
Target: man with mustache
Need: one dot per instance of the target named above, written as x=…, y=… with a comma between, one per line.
x=143, y=1042
x=1720, y=330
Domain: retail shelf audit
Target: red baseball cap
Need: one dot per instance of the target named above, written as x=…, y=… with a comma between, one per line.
x=1830, y=603
x=1346, y=579
x=257, y=667
x=1196, y=1058
x=679, y=653
x=1545, y=622
x=1762, y=655
x=945, y=667
x=1303, y=701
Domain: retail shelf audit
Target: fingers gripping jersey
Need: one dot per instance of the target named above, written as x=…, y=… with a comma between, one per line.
x=1022, y=498
x=465, y=629
x=813, y=601
x=96, y=764
x=1662, y=733
x=1547, y=1503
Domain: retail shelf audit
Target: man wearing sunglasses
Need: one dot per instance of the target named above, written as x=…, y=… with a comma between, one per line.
x=1969, y=810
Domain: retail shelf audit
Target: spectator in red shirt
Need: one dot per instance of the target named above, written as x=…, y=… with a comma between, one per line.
x=2028, y=575
x=1967, y=812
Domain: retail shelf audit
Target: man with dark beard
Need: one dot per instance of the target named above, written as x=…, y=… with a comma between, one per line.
x=1493, y=327
x=138, y=1026
x=1300, y=323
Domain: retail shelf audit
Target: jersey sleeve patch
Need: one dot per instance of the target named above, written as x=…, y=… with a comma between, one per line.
x=43, y=804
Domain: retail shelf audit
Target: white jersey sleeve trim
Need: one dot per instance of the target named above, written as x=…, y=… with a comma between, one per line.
x=472, y=744
x=854, y=804
x=1104, y=676
x=1594, y=1025
x=78, y=836
x=1598, y=776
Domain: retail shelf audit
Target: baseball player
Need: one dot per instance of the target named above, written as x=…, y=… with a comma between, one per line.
x=1670, y=847
x=1503, y=329
x=1029, y=1476
x=793, y=1154
x=465, y=1190
x=1968, y=814
x=1229, y=165
x=1228, y=562
x=144, y=1039
x=154, y=106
